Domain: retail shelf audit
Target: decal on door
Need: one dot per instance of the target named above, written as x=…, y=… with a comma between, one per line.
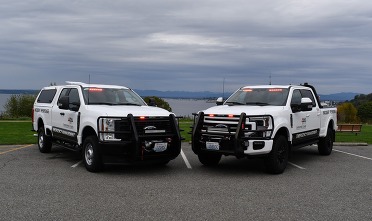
x=303, y=124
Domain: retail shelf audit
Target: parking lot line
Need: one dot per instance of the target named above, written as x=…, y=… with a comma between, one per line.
x=185, y=159
x=295, y=165
x=77, y=164
x=18, y=148
x=353, y=154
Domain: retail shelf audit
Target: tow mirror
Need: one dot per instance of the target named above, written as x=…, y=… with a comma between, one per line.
x=152, y=102
x=219, y=101
x=63, y=103
x=306, y=104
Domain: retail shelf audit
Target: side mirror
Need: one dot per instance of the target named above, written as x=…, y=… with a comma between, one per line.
x=152, y=102
x=63, y=103
x=306, y=104
x=75, y=106
x=219, y=101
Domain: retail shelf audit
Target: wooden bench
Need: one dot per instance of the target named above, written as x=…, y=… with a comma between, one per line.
x=354, y=128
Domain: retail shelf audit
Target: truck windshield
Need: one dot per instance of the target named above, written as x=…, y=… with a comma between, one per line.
x=259, y=97
x=111, y=96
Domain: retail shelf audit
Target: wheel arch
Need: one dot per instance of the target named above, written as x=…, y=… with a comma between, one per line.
x=283, y=131
x=87, y=131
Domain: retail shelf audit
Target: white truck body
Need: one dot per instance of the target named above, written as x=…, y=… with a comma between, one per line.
x=249, y=122
x=115, y=116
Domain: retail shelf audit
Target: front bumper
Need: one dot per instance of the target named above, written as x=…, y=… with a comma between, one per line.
x=234, y=139
x=133, y=143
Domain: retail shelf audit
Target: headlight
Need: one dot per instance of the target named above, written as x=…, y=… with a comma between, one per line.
x=106, y=126
x=263, y=124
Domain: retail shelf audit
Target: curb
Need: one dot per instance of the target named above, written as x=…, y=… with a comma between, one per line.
x=349, y=144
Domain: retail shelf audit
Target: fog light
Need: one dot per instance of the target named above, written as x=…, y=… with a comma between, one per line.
x=258, y=145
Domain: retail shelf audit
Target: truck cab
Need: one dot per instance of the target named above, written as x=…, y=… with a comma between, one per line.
x=108, y=123
x=265, y=121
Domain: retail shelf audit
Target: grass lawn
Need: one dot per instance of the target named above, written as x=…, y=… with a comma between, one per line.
x=16, y=132
x=365, y=136
x=19, y=132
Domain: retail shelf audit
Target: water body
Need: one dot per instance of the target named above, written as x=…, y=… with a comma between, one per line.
x=185, y=107
x=3, y=100
x=181, y=107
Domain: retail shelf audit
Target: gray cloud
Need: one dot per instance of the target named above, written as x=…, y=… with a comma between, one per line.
x=187, y=45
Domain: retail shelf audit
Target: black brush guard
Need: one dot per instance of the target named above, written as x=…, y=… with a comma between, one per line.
x=232, y=141
x=131, y=136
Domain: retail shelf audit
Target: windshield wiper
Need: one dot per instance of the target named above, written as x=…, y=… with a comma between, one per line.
x=134, y=104
x=101, y=103
x=234, y=103
x=257, y=103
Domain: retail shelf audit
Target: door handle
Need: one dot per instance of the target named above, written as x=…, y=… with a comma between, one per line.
x=62, y=114
x=308, y=115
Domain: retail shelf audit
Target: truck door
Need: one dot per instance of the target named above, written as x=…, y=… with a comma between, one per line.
x=65, y=119
x=305, y=124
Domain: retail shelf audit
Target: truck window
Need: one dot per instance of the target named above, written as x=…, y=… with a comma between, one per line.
x=46, y=96
x=74, y=97
x=296, y=97
x=259, y=96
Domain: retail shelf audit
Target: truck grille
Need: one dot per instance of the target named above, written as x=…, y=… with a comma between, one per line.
x=146, y=126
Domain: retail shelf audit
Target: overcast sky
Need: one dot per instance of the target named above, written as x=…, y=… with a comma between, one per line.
x=187, y=45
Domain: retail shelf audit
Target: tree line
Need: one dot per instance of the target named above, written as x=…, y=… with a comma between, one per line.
x=20, y=105
x=357, y=110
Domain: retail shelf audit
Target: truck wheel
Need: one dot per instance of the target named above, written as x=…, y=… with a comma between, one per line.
x=44, y=142
x=209, y=159
x=91, y=154
x=277, y=160
x=325, y=144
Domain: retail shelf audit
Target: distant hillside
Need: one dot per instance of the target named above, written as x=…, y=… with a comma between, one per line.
x=7, y=91
x=180, y=94
x=201, y=94
x=344, y=96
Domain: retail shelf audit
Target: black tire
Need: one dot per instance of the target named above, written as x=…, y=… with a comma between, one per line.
x=91, y=154
x=325, y=144
x=277, y=160
x=209, y=159
x=44, y=142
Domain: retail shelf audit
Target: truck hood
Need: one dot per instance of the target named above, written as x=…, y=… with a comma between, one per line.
x=249, y=110
x=123, y=111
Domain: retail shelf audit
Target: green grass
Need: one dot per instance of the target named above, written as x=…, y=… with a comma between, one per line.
x=365, y=136
x=19, y=132
x=16, y=132
x=185, y=126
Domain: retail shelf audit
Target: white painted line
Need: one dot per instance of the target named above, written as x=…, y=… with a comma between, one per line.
x=185, y=159
x=77, y=164
x=353, y=154
x=295, y=165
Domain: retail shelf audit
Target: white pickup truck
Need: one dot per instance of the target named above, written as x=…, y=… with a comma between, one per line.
x=107, y=123
x=264, y=121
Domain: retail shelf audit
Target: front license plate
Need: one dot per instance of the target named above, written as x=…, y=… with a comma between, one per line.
x=160, y=147
x=212, y=145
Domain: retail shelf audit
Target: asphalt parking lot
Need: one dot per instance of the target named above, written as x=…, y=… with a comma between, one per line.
x=56, y=186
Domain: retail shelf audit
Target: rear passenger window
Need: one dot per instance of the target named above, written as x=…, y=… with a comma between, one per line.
x=46, y=96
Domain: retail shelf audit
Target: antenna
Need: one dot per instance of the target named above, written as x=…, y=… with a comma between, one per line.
x=89, y=79
x=223, y=89
x=270, y=79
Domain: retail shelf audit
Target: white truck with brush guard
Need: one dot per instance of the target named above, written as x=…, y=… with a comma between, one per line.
x=109, y=124
x=264, y=121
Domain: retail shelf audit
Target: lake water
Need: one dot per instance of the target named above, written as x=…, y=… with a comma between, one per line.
x=181, y=107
